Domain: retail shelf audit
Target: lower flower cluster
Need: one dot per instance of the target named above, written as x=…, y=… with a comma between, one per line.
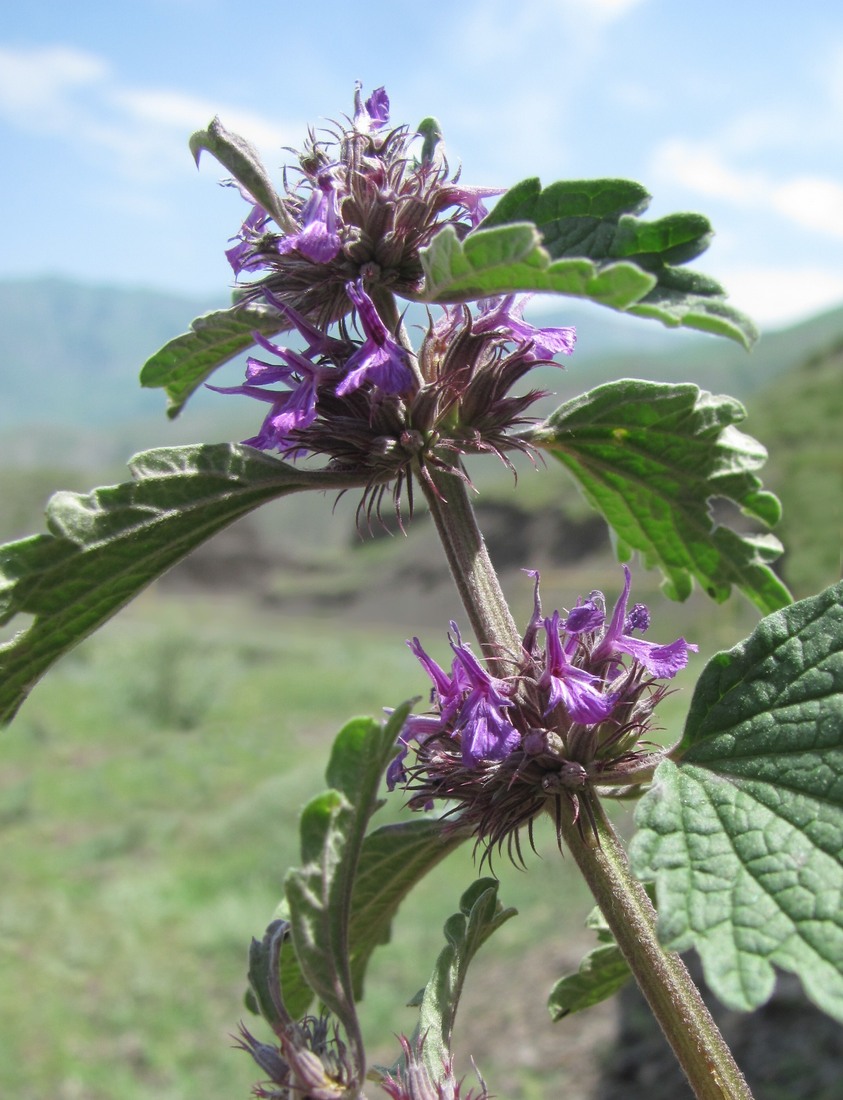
x=571, y=710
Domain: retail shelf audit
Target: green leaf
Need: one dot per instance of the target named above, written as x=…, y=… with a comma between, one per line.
x=510, y=258
x=601, y=974
x=264, y=976
x=107, y=546
x=743, y=835
x=393, y=859
x=650, y=457
x=184, y=363
x=480, y=914
x=597, y=220
x=241, y=159
x=319, y=892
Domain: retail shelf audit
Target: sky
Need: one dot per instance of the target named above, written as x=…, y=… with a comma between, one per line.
x=732, y=109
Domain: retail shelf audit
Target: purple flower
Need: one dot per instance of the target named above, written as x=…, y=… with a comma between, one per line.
x=471, y=706
x=374, y=113
x=662, y=661
x=584, y=618
x=506, y=313
x=292, y=409
x=469, y=198
x=379, y=360
x=318, y=341
x=318, y=238
x=486, y=731
x=574, y=688
x=241, y=255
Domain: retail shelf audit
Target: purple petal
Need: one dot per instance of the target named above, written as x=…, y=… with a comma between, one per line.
x=318, y=238
x=379, y=360
x=662, y=661
x=486, y=733
x=585, y=617
x=374, y=113
x=240, y=255
x=506, y=313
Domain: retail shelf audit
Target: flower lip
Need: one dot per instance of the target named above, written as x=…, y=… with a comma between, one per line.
x=380, y=360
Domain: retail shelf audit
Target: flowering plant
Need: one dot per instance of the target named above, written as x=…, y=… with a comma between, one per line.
x=740, y=824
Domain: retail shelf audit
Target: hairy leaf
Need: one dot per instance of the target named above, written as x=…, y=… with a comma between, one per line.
x=511, y=258
x=241, y=159
x=651, y=457
x=480, y=914
x=601, y=974
x=265, y=978
x=393, y=859
x=319, y=892
x=107, y=546
x=183, y=364
x=597, y=220
x=743, y=833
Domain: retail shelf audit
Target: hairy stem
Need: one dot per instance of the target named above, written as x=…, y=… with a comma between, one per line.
x=663, y=977
x=472, y=569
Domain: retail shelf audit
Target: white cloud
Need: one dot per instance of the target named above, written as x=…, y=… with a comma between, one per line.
x=775, y=297
x=494, y=29
x=701, y=168
x=606, y=10
x=35, y=84
x=185, y=113
x=76, y=96
x=814, y=202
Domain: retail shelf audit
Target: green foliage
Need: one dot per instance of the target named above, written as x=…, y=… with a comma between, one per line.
x=343, y=900
x=582, y=237
x=743, y=833
x=511, y=258
x=601, y=974
x=393, y=859
x=241, y=159
x=106, y=547
x=651, y=457
x=319, y=892
x=184, y=363
x=480, y=914
x=265, y=977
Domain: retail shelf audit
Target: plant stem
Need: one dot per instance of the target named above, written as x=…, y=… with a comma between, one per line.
x=662, y=976
x=472, y=569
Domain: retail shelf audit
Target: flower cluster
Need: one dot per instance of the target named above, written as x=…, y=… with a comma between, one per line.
x=362, y=207
x=346, y=240
x=310, y=1059
x=572, y=711
x=413, y=1082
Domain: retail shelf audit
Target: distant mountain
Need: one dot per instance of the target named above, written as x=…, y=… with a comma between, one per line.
x=71, y=353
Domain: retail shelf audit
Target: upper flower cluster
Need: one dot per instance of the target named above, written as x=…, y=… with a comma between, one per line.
x=573, y=710
x=361, y=208
x=345, y=242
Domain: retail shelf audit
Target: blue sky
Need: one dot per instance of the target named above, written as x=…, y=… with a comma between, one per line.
x=732, y=109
